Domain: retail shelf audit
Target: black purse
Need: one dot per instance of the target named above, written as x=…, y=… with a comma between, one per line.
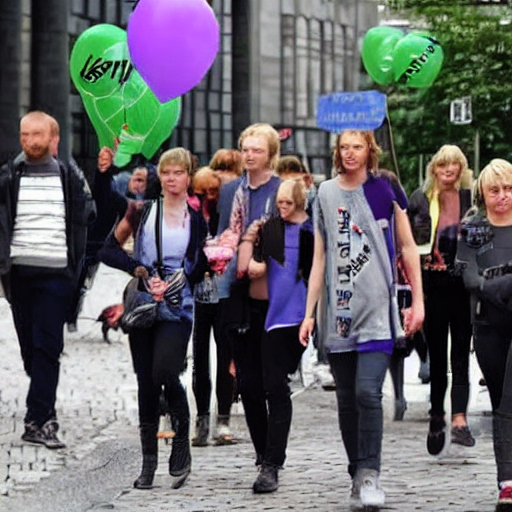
x=140, y=308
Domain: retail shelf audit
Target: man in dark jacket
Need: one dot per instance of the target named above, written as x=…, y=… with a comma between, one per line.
x=45, y=207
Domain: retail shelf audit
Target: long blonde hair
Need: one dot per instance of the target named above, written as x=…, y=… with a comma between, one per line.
x=446, y=154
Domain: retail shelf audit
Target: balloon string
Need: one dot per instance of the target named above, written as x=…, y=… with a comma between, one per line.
x=392, y=144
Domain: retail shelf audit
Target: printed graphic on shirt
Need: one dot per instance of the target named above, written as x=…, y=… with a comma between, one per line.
x=352, y=256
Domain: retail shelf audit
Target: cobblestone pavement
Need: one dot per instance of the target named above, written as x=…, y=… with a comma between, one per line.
x=98, y=414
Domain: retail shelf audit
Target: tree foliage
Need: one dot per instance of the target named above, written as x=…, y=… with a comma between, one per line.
x=477, y=43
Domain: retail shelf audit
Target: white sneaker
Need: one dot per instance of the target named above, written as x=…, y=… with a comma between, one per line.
x=371, y=494
x=324, y=376
x=354, y=501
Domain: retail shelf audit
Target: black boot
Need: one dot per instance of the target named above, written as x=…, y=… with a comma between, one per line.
x=267, y=480
x=202, y=430
x=180, y=461
x=149, y=443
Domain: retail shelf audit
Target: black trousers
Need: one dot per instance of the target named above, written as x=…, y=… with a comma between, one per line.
x=493, y=346
x=281, y=352
x=447, y=308
x=263, y=362
x=159, y=357
x=206, y=318
x=39, y=307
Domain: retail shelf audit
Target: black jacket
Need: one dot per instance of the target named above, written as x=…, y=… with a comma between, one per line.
x=271, y=244
x=80, y=213
x=418, y=211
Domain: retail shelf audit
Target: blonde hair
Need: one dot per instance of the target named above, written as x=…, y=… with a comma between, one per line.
x=496, y=172
x=295, y=190
x=373, y=148
x=270, y=133
x=447, y=154
x=176, y=156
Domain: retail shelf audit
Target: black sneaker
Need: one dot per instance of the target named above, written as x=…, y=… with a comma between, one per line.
x=267, y=480
x=436, y=435
x=462, y=435
x=47, y=435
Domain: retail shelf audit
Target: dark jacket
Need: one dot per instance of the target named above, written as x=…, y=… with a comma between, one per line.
x=271, y=245
x=418, y=211
x=195, y=264
x=80, y=213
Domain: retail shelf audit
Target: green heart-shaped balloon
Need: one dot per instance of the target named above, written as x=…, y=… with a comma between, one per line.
x=417, y=60
x=120, y=105
x=377, y=53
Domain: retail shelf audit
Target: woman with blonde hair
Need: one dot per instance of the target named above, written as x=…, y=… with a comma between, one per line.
x=168, y=259
x=435, y=211
x=487, y=274
x=283, y=253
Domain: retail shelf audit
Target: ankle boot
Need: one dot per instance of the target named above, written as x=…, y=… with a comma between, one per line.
x=149, y=443
x=202, y=430
x=180, y=460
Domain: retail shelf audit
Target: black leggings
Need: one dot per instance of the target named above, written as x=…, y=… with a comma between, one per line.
x=447, y=308
x=493, y=346
x=159, y=357
x=206, y=317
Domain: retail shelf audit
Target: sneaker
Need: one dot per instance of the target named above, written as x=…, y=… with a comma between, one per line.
x=505, y=499
x=267, y=480
x=371, y=494
x=354, y=498
x=224, y=436
x=436, y=437
x=462, y=435
x=47, y=435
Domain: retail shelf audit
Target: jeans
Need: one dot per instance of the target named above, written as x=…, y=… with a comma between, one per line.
x=281, y=353
x=206, y=317
x=359, y=378
x=158, y=356
x=493, y=347
x=447, y=308
x=39, y=307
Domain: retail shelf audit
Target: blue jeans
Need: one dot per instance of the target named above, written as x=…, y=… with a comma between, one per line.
x=359, y=378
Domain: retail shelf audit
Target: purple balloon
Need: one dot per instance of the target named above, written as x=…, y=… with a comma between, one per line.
x=172, y=44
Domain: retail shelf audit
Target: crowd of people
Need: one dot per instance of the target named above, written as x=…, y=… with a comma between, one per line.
x=248, y=248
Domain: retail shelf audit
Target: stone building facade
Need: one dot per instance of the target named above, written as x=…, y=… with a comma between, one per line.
x=276, y=58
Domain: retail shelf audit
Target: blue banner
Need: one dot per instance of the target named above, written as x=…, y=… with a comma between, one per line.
x=362, y=110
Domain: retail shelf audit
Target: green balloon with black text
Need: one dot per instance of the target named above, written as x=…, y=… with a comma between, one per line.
x=122, y=108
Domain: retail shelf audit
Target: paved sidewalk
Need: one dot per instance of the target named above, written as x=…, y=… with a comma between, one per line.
x=98, y=412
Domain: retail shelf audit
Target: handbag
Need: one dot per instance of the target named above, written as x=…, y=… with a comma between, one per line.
x=141, y=310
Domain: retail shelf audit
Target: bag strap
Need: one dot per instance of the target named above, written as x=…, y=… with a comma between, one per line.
x=158, y=236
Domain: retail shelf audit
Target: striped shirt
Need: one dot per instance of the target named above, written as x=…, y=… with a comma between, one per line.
x=39, y=235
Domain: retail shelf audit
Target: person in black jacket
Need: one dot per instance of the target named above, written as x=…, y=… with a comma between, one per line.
x=435, y=211
x=485, y=255
x=45, y=208
x=169, y=239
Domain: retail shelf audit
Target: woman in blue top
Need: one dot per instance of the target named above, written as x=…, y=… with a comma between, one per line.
x=285, y=253
x=169, y=238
